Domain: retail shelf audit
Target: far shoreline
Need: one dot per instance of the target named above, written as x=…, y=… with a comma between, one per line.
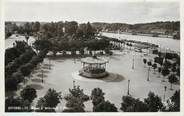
x=139, y=34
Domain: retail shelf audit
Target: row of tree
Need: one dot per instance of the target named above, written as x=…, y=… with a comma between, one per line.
x=48, y=30
x=14, y=69
x=21, y=66
x=152, y=103
x=21, y=28
x=163, y=69
x=63, y=36
x=19, y=47
x=76, y=98
x=21, y=103
x=56, y=46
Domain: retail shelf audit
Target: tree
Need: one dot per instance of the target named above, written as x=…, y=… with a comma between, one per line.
x=149, y=63
x=98, y=100
x=131, y=104
x=172, y=79
x=144, y=61
x=28, y=93
x=97, y=96
x=154, y=66
x=173, y=69
x=12, y=102
x=27, y=56
x=10, y=69
x=52, y=98
x=139, y=106
x=127, y=102
x=11, y=54
x=81, y=51
x=35, y=60
x=25, y=70
x=105, y=106
x=60, y=26
x=18, y=76
x=86, y=31
x=178, y=71
x=21, y=46
x=27, y=38
x=41, y=103
x=158, y=60
x=36, y=26
x=71, y=27
x=40, y=45
x=77, y=92
x=159, y=71
x=175, y=99
x=27, y=28
x=17, y=104
x=153, y=102
x=11, y=84
x=103, y=44
x=74, y=104
x=90, y=31
x=165, y=72
x=75, y=100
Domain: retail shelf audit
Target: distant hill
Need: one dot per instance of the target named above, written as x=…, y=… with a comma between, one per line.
x=165, y=28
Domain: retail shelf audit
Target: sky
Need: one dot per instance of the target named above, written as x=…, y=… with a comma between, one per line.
x=111, y=12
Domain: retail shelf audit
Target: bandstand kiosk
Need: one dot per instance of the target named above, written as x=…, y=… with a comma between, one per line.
x=93, y=67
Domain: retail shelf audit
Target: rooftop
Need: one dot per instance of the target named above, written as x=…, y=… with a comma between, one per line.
x=94, y=60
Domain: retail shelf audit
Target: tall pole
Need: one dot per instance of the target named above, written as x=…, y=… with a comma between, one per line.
x=133, y=62
x=165, y=89
x=148, y=73
x=128, y=93
x=42, y=76
x=73, y=83
x=163, y=79
x=49, y=64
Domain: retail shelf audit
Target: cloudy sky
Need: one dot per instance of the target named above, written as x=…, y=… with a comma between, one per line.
x=124, y=12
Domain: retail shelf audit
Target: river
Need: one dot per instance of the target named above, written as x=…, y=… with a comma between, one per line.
x=165, y=43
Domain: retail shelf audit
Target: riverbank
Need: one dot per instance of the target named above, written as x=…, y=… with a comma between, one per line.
x=143, y=34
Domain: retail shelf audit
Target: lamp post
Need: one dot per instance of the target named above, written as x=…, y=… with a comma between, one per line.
x=163, y=79
x=148, y=73
x=42, y=76
x=133, y=62
x=49, y=63
x=165, y=89
x=74, y=61
x=27, y=38
x=149, y=65
x=166, y=50
x=73, y=83
x=128, y=93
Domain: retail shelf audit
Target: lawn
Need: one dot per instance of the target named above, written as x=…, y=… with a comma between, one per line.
x=64, y=70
